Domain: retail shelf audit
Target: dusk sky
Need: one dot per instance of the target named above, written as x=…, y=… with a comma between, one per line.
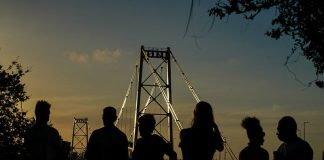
x=82, y=55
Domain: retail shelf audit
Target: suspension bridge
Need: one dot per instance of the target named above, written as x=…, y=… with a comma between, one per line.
x=150, y=92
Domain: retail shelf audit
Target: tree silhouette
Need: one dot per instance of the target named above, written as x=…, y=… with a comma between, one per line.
x=302, y=20
x=13, y=121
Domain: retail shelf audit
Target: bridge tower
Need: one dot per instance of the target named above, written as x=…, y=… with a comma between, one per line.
x=151, y=79
x=79, y=137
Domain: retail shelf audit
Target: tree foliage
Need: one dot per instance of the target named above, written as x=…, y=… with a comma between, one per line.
x=13, y=121
x=303, y=20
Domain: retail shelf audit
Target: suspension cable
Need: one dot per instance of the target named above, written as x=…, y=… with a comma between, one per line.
x=134, y=75
x=232, y=155
x=149, y=99
x=185, y=78
x=229, y=150
x=126, y=97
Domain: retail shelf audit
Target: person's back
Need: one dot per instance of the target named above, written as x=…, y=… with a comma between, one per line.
x=297, y=149
x=151, y=146
x=43, y=142
x=107, y=142
x=201, y=141
x=198, y=145
x=254, y=153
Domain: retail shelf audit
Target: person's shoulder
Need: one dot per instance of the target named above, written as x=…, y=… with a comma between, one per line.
x=299, y=141
x=248, y=151
x=264, y=151
x=282, y=147
x=244, y=153
x=158, y=141
x=245, y=149
x=53, y=131
x=98, y=131
x=120, y=132
x=186, y=131
x=157, y=138
x=302, y=143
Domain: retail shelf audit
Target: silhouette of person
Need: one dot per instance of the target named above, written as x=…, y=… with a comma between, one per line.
x=292, y=148
x=201, y=141
x=151, y=146
x=42, y=141
x=107, y=142
x=255, y=133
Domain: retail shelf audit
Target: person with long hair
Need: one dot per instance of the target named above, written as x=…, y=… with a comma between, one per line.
x=202, y=139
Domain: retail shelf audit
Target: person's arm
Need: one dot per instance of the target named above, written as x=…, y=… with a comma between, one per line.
x=219, y=144
x=168, y=150
x=183, y=145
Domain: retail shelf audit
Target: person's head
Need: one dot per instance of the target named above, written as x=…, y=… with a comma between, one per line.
x=146, y=124
x=203, y=115
x=254, y=130
x=42, y=112
x=287, y=128
x=109, y=116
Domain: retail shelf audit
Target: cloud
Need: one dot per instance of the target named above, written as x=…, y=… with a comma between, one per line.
x=96, y=56
x=80, y=58
x=105, y=55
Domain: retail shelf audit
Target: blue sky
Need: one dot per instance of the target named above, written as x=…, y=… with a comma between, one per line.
x=82, y=55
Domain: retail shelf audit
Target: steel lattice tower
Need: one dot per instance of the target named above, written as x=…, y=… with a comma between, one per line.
x=79, y=137
x=153, y=80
